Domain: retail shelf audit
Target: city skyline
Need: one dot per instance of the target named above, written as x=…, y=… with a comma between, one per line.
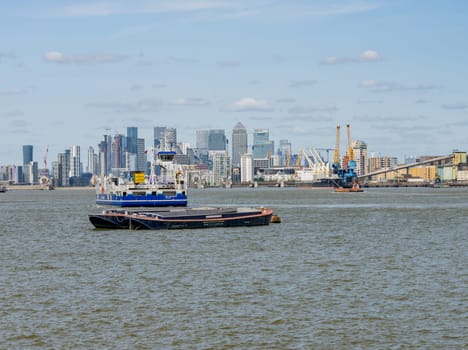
x=45, y=156
x=395, y=70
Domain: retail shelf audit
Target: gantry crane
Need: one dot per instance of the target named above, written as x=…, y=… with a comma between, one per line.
x=336, y=155
x=345, y=172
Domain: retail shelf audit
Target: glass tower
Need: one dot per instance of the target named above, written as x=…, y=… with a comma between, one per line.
x=239, y=143
x=27, y=154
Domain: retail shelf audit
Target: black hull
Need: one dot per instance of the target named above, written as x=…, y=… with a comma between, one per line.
x=142, y=224
x=182, y=219
x=109, y=222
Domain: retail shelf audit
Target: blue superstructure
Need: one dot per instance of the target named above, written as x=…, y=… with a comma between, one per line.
x=148, y=200
x=134, y=189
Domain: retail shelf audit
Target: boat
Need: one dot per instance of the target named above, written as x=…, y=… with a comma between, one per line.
x=354, y=188
x=135, y=189
x=180, y=218
x=3, y=188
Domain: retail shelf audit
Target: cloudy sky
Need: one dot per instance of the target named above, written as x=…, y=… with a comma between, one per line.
x=396, y=70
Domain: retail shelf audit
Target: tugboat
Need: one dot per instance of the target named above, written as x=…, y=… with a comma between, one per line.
x=134, y=189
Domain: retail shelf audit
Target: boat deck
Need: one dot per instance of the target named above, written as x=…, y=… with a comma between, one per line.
x=180, y=217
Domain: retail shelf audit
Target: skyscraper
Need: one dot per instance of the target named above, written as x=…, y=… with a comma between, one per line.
x=118, y=153
x=159, y=136
x=132, y=135
x=360, y=157
x=285, y=152
x=170, y=139
x=216, y=140
x=247, y=169
x=27, y=154
x=262, y=146
x=75, y=162
x=202, y=140
x=63, y=168
x=92, y=161
x=105, y=156
x=239, y=143
x=221, y=167
x=141, y=155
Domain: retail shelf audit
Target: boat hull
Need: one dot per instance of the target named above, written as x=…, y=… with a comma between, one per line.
x=181, y=219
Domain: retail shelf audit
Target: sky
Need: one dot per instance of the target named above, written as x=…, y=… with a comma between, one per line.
x=395, y=70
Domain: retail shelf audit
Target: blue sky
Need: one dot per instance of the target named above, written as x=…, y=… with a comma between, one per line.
x=397, y=71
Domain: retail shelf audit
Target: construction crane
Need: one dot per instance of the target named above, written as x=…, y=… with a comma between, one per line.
x=351, y=161
x=336, y=154
x=299, y=158
x=327, y=150
x=350, y=149
x=345, y=172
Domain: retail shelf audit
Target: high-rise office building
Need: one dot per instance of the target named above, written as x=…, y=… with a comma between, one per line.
x=165, y=139
x=262, y=146
x=216, y=140
x=239, y=143
x=92, y=161
x=159, y=137
x=118, y=153
x=132, y=136
x=75, y=161
x=285, y=152
x=221, y=167
x=141, y=155
x=30, y=172
x=360, y=157
x=27, y=154
x=170, y=139
x=247, y=169
x=63, y=168
x=202, y=140
x=105, y=156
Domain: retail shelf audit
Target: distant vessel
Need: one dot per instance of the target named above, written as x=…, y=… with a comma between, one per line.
x=354, y=188
x=134, y=189
x=181, y=218
x=3, y=188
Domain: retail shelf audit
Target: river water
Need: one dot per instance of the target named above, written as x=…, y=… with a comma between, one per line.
x=383, y=269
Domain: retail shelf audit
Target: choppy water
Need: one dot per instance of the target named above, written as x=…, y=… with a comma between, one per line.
x=383, y=269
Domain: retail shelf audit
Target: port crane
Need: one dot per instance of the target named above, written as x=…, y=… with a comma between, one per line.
x=346, y=170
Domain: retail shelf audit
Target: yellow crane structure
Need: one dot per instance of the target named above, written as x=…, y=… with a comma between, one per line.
x=299, y=159
x=350, y=148
x=336, y=154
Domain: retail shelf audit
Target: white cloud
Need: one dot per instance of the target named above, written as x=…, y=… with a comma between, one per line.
x=191, y=101
x=364, y=57
x=369, y=56
x=58, y=57
x=332, y=60
x=249, y=104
